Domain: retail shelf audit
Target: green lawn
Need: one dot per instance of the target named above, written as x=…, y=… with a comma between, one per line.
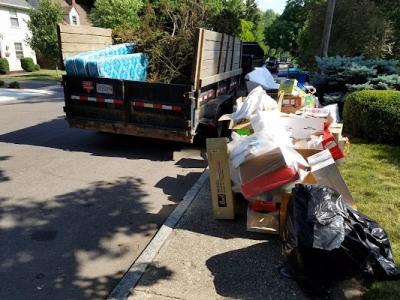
x=43, y=74
x=372, y=173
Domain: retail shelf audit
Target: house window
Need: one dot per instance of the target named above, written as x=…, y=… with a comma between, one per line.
x=74, y=20
x=19, y=52
x=14, y=18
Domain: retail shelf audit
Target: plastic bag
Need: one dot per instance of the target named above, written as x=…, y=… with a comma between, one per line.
x=329, y=240
x=257, y=100
x=261, y=76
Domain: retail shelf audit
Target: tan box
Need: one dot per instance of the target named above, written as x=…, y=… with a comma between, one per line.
x=262, y=222
x=307, y=152
x=336, y=130
x=220, y=181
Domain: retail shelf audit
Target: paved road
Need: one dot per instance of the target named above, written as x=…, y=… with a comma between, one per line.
x=77, y=207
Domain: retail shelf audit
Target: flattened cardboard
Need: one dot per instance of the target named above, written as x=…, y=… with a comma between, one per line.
x=302, y=127
x=220, y=182
x=307, y=152
x=325, y=172
x=265, y=163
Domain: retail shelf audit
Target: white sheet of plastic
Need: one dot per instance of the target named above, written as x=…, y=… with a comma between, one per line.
x=263, y=77
x=257, y=100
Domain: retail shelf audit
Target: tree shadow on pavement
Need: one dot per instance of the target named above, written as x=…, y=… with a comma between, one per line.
x=57, y=135
x=252, y=273
x=4, y=177
x=75, y=245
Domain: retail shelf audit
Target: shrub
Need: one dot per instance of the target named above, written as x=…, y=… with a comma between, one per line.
x=14, y=85
x=1, y=83
x=27, y=64
x=4, y=66
x=37, y=67
x=374, y=115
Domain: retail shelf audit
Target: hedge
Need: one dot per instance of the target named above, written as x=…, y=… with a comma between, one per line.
x=14, y=85
x=27, y=64
x=2, y=83
x=4, y=66
x=374, y=115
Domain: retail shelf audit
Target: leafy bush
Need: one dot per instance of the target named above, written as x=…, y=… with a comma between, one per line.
x=4, y=66
x=14, y=85
x=374, y=115
x=340, y=75
x=27, y=64
x=2, y=83
x=37, y=67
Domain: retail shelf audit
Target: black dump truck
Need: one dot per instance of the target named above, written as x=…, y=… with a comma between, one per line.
x=175, y=112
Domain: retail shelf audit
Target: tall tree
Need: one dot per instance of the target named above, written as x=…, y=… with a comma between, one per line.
x=358, y=27
x=251, y=12
x=116, y=13
x=283, y=33
x=43, y=26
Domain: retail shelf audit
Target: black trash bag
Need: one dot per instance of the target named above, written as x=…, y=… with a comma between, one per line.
x=329, y=241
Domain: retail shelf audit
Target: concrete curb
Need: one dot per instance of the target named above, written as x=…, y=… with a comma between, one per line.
x=135, y=272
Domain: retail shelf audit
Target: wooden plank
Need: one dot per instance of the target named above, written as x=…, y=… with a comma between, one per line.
x=211, y=46
x=220, y=53
x=79, y=47
x=211, y=54
x=212, y=35
x=199, y=50
x=85, y=39
x=85, y=30
x=219, y=77
x=207, y=72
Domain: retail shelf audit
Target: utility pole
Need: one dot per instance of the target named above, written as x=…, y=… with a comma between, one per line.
x=330, y=9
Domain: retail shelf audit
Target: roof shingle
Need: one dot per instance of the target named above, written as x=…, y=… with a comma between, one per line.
x=15, y=3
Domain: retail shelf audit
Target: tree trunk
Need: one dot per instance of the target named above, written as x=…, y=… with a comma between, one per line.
x=330, y=9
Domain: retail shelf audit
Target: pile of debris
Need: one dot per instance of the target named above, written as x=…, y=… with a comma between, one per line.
x=282, y=157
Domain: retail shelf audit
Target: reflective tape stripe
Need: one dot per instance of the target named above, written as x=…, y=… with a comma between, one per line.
x=156, y=106
x=97, y=99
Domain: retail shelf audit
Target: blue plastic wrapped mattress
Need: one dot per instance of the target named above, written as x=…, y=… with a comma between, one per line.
x=77, y=65
x=124, y=67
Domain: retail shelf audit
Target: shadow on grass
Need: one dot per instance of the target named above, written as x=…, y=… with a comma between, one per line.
x=385, y=152
x=65, y=247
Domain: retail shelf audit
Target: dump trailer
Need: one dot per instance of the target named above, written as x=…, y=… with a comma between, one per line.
x=174, y=112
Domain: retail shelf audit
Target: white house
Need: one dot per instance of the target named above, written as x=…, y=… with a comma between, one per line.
x=14, y=15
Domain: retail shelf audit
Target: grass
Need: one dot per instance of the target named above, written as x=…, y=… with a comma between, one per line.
x=43, y=74
x=372, y=173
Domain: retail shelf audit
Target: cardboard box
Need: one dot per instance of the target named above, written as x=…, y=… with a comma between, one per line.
x=302, y=127
x=344, y=145
x=331, y=144
x=287, y=86
x=220, y=181
x=265, y=163
x=291, y=104
x=307, y=152
x=325, y=172
x=262, y=222
x=336, y=129
x=269, y=182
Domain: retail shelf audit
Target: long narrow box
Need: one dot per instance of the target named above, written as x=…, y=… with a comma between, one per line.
x=220, y=180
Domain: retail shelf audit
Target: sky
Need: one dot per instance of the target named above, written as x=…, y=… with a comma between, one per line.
x=276, y=5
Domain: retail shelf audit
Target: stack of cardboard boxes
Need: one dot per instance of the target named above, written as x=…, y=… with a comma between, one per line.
x=264, y=162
